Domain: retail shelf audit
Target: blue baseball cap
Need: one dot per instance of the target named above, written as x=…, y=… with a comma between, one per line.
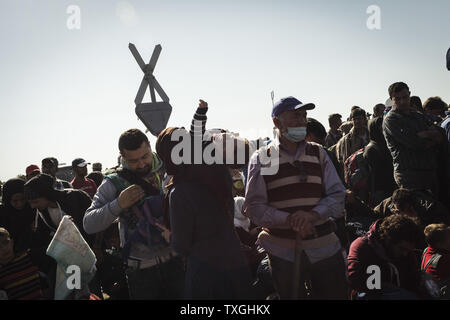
x=290, y=103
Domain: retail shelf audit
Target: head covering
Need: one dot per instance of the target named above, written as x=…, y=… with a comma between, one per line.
x=164, y=146
x=10, y=188
x=79, y=163
x=18, y=222
x=41, y=187
x=290, y=103
x=32, y=168
x=376, y=130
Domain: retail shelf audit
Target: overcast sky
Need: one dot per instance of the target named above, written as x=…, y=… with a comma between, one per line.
x=70, y=93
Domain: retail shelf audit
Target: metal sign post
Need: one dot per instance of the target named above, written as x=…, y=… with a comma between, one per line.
x=154, y=115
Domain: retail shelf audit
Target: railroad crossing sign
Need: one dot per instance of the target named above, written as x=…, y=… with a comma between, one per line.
x=154, y=115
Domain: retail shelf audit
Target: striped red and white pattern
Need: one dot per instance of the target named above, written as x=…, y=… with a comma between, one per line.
x=20, y=279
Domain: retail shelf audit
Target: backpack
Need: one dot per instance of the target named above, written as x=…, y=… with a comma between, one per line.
x=436, y=289
x=356, y=171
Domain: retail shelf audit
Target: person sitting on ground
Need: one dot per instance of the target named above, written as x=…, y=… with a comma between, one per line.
x=436, y=257
x=415, y=203
x=19, y=276
x=389, y=247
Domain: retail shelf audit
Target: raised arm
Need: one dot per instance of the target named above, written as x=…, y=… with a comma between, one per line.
x=198, y=124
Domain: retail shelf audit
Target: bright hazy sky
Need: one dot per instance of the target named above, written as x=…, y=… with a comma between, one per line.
x=70, y=93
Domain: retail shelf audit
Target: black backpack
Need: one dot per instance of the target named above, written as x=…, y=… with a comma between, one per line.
x=437, y=289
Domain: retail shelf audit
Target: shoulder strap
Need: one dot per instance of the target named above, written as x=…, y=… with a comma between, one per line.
x=119, y=183
x=434, y=260
x=424, y=254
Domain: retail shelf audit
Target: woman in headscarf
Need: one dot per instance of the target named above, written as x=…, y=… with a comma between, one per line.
x=200, y=207
x=382, y=183
x=16, y=214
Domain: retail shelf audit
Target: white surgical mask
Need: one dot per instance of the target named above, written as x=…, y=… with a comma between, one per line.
x=295, y=134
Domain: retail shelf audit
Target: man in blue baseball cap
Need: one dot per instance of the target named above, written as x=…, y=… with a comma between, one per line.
x=298, y=199
x=289, y=117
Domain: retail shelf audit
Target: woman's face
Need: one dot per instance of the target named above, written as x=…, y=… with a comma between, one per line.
x=18, y=201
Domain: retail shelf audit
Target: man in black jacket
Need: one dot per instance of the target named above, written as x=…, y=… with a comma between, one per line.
x=413, y=143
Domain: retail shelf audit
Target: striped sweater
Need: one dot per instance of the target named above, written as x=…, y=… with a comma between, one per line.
x=198, y=123
x=20, y=279
x=287, y=192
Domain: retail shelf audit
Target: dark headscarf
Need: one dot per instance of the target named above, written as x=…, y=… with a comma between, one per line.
x=375, y=127
x=215, y=177
x=17, y=222
x=164, y=147
x=10, y=188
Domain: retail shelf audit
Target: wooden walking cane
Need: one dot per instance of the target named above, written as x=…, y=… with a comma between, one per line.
x=297, y=264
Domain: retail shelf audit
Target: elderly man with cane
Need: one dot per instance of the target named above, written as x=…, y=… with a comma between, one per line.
x=295, y=204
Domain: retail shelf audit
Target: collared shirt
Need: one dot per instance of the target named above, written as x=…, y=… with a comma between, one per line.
x=257, y=208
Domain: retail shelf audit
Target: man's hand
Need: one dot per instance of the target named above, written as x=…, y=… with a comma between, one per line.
x=130, y=196
x=166, y=232
x=303, y=222
x=203, y=104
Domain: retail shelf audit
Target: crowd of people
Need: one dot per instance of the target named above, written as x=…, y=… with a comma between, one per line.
x=359, y=212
